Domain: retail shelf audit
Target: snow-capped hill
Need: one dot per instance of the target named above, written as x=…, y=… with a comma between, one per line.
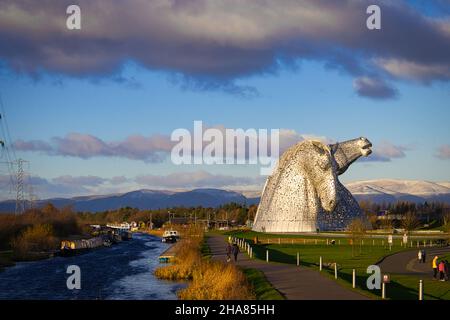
x=389, y=190
x=398, y=186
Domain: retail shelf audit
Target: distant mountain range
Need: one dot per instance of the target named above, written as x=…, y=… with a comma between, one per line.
x=388, y=190
x=144, y=199
x=379, y=191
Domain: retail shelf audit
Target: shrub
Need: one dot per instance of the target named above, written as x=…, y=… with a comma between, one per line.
x=36, y=238
x=214, y=280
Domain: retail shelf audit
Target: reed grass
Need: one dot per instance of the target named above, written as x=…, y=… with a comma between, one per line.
x=208, y=280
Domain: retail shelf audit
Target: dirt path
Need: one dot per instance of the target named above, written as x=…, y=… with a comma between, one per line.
x=291, y=281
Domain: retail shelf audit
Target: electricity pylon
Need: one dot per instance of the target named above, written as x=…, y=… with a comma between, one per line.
x=20, y=195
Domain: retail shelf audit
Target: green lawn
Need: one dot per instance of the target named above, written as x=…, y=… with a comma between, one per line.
x=261, y=287
x=401, y=287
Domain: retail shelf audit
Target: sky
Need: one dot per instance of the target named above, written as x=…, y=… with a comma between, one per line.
x=92, y=110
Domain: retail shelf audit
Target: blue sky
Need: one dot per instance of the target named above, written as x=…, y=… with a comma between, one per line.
x=405, y=113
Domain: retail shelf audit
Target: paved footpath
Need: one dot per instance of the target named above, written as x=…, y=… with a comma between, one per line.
x=294, y=283
x=407, y=263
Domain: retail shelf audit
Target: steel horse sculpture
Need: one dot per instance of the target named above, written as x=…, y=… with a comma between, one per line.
x=304, y=193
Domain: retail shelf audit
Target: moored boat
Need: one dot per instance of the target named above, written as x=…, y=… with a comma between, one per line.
x=170, y=236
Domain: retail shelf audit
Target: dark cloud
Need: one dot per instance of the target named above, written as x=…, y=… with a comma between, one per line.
x=214, y=43
x=386, y=151
x=69, y=186
x=157, y=148
x=43, y=188
x=32, y=145
x=85, y=146
x=373, y=88
x=87, y=181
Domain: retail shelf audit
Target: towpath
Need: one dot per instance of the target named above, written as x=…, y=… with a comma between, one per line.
x=294, y=283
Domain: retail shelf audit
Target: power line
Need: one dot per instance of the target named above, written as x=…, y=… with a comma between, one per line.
x=17, y=178
x=5, y=127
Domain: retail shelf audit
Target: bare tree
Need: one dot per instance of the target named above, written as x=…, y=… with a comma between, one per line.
x=445, y=218
x=410, y=221
x=387, y=224
x=357, y=229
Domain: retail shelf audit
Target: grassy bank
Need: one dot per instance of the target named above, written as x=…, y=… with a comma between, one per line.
x=261, y=287
x=348, y=257
x=208, y=280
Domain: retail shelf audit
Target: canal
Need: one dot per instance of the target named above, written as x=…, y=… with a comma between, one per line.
x=121, y=272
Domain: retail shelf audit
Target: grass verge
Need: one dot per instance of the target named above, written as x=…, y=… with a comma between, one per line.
x=262, y=288
x=401, y=287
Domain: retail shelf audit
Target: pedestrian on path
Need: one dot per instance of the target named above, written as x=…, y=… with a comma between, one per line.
x=419, y=256
x=235, y=252
x=229, y=251
x=435, y=266
x=446, y=270
x=424, y=256
x=442, y=271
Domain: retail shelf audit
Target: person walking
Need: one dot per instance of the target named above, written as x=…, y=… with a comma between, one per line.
x=435, y=266
x=441, y=270
x=446, y=270
x=235, y=252
x=229, y=251
x=419, y=256
x=424, y=256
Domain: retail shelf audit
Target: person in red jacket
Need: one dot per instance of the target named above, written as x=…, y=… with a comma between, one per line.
x=441, y=271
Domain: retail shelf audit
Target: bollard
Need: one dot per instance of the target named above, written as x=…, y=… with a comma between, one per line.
x=373, y=242
x=267, y=256
x=420, y=290
x=327, y=242
x=298, y=259
x=335, y=270
x=320, y=264
x=411, y=244
x=383, y=291
x=354, y=279
x=339, y=241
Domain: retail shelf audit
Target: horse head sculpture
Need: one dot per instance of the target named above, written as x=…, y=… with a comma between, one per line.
x=345, y=153
x=304, y=192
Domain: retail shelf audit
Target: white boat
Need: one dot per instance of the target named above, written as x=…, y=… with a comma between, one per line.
x=170, y=236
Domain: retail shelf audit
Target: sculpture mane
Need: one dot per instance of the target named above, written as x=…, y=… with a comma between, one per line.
x=304, y=193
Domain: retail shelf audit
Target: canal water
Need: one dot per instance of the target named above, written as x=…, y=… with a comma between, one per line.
x=121, y=272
